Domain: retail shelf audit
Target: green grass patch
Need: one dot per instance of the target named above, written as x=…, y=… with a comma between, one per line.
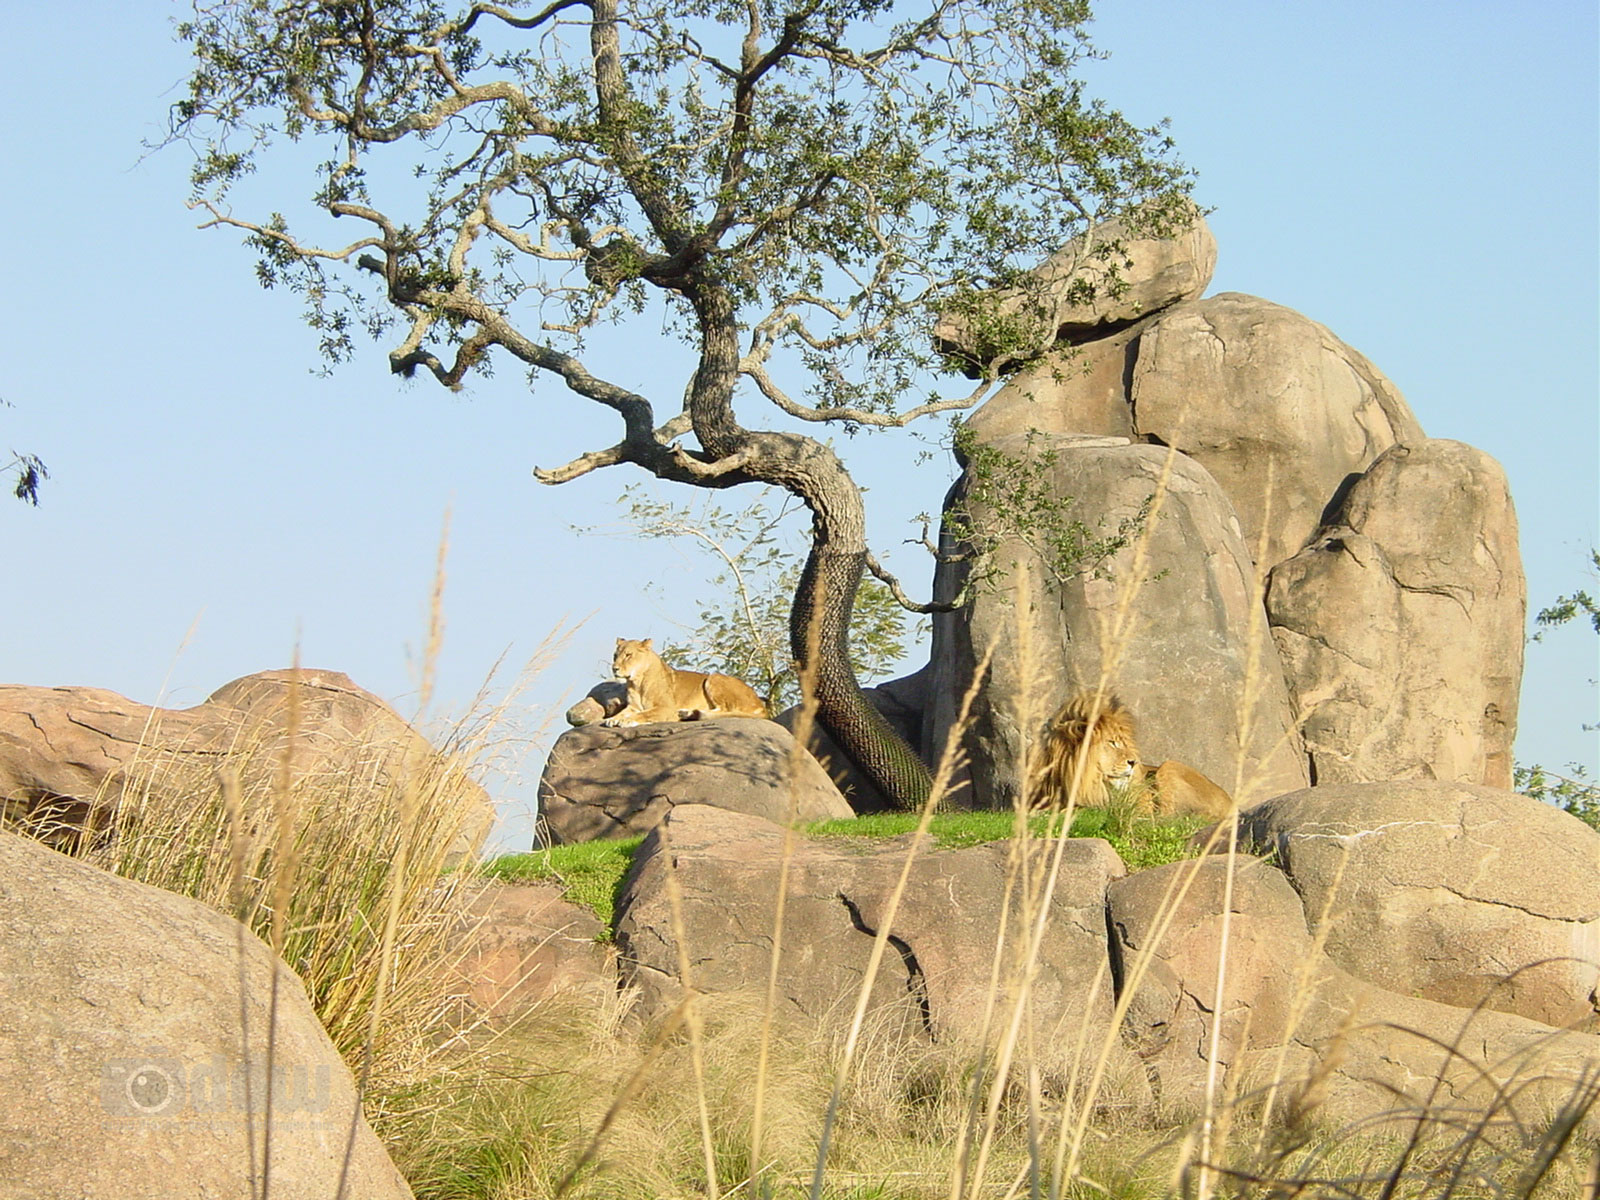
x=590, y=873
x=1141, y=841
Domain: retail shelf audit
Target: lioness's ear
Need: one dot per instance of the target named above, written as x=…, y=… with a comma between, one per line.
x=619, y=642
x=648, y=643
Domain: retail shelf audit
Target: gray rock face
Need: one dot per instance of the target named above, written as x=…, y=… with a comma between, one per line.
x=1096, y=283
x=1279, y=410
x=68, y=754
x=1299, y=1033
x=1073, y=389
x=1173, y=973
x=604, y=782
x=1400, y=628
x=134, y=1052
x=934, y=977
x=1448, y=892
x=1186, y=668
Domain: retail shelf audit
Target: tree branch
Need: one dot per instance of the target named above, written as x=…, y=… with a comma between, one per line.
x=932, y=606
x=855, y=416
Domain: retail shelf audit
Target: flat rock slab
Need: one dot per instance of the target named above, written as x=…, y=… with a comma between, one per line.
x=934, y=979
x=616, y=782
x=1096, y=283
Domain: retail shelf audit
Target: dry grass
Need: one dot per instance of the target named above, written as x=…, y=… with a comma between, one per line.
x=317, y=862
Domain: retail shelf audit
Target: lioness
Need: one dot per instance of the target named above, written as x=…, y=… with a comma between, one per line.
x=658, y=692
x=1113, y=761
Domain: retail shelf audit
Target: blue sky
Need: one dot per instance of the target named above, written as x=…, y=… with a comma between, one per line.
x=1420, y=177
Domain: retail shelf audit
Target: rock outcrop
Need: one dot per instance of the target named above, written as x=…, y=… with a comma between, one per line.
x=1297, y=1032
x=524, y=945
x=1279, y=410
x=1194, y=663
x=1448, y=892
x=1107, y=278
x=1400, y=627
x=1397, y=595
x=135, y=1050
x=613, y=782
x=934, y=981
x=68, y=755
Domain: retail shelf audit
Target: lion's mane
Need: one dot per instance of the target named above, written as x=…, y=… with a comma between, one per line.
x=1112, y=759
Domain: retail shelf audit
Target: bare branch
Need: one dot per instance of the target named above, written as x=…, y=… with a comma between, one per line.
x=510, y=18
x=856, y=416
x=932, y=606
x=267, y=233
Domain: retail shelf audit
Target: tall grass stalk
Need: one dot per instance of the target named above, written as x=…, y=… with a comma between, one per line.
x=941, y=783
x=805, y=723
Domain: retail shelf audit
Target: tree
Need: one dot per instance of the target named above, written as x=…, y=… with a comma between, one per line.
x=792, y=187
x=1574, y=791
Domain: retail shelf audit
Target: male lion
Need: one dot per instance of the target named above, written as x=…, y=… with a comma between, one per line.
x=1113, y=762
x=657, y=692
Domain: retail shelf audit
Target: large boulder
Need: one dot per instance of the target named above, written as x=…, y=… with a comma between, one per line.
x=615, y=782
x=1171, y=968
x=1105, y=278
x=137, y=1033
x=1400, y=628
x=1079, y=389
x=68, y=755
x=1300, y=1034
x=1278, y=409
x=1455, y=893
x=934, y=982
x=1195, y=667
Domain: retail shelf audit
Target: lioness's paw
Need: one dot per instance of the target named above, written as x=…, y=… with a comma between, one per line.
x=690, y=714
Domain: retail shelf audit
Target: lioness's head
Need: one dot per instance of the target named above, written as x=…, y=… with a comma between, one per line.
x=1112, y=759
x=632, y=657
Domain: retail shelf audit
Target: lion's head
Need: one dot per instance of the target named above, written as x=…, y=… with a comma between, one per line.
x=633, y=658
x=1112, y=759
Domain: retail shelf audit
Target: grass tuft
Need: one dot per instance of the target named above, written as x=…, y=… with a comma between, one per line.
x=590, y=873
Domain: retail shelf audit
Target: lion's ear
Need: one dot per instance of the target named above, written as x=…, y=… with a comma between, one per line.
x=619, y=642
x=648, y=643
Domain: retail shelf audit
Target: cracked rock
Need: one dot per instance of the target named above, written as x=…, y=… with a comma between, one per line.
x=1400, y=627
x=1299, y=1032
x=1448, y=892
x=934, y=979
